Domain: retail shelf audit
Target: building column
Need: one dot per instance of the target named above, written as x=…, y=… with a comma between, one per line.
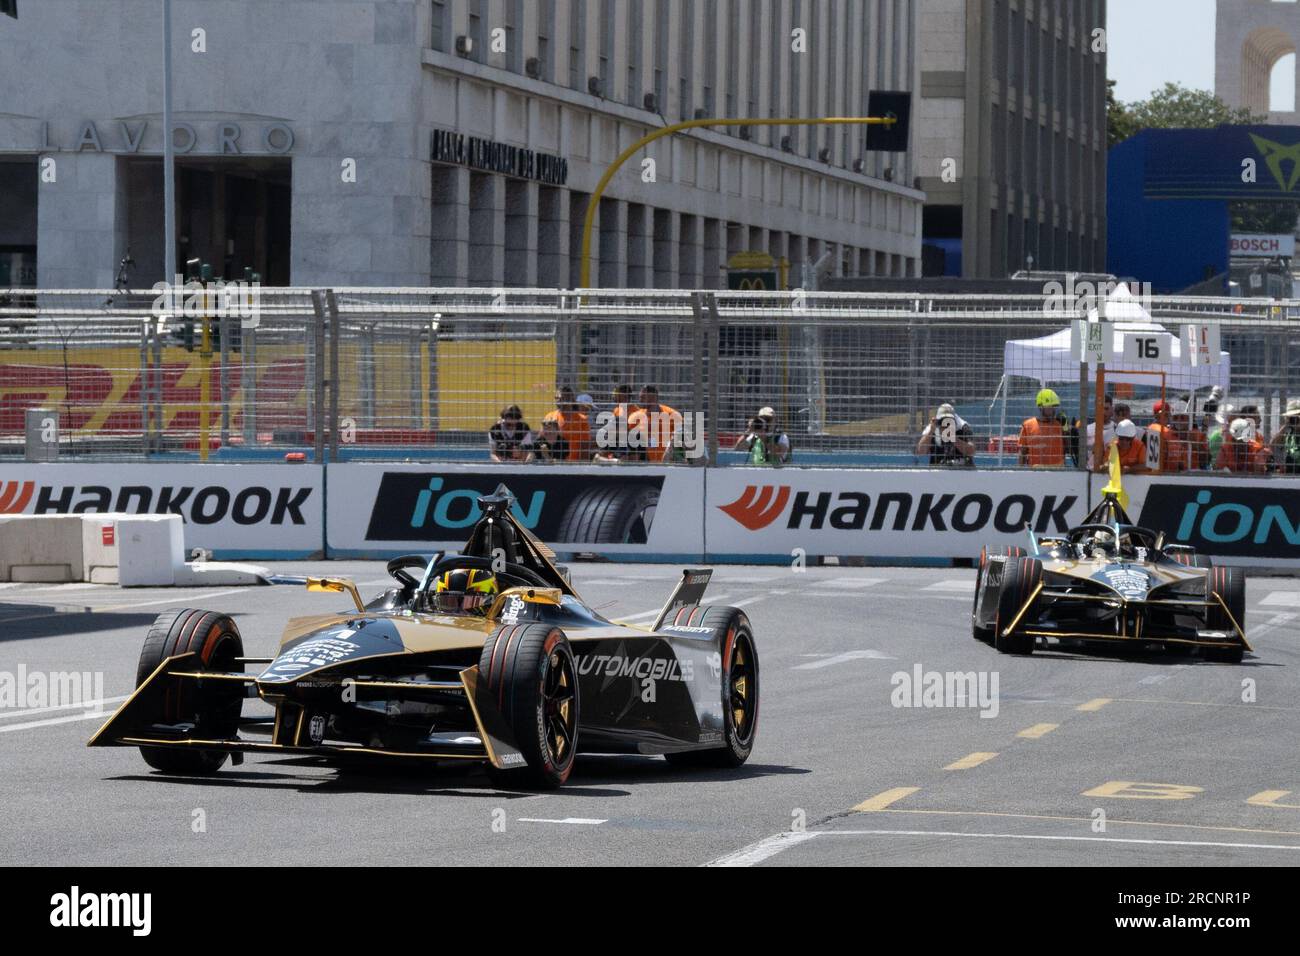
x=612, y=243
x=690, y=253
x=552, y=238
x=449, y=227
x=711, y=269
x=757, y=239
x=667, y=259
x=487, y=229
x=77, y=233
x=640, y=248
x=520, y=267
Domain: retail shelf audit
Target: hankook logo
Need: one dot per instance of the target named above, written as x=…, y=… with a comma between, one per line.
x=759, y=506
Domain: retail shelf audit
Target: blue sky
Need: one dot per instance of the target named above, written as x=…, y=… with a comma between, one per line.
x=1154, y=41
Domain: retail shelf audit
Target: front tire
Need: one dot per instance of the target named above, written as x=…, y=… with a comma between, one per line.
x=740, y=696
x=214, y=711
x=1020, y=578
x=530, y=671
x=1230, y=585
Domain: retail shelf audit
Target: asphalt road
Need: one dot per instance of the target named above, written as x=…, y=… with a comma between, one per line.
x=1082, y=761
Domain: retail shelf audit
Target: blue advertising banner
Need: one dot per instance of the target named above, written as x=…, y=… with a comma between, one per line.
x=1246, y=163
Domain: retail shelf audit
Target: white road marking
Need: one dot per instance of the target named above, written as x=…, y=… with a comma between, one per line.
x=1155, y=679
x=1282, y=599
x=951, y=584
x=52, y=721
x=582, y=821
x=765, y=849
x=843, y=659
x=99, y=704
x=847, y=582
x=1277, y=620
x=745, y=602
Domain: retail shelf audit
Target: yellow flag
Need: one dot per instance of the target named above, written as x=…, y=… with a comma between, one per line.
x=1116, y=484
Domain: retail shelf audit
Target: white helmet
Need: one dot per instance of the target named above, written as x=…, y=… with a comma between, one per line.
x=1242, y=429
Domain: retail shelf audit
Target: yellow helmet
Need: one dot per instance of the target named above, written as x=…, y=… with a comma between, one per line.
x=465, y=590
x=1047, y=397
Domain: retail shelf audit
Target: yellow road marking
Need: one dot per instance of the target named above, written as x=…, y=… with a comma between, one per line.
x=882, y=800
x=1131, y=790
x=1097, y=703
x=1110, y=821
x=1271, y=798
x=970, y=760
x=1038, y=730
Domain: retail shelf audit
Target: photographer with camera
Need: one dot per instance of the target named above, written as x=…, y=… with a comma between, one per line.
x=948, y=439
x=765, y=442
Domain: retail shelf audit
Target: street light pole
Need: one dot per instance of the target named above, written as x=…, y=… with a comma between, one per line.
x=169, y=157
x=594, y=202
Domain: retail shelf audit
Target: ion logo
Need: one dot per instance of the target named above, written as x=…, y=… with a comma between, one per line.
x=458, y=508
x=758, y=506
x=1230, y=520
x=15, y=496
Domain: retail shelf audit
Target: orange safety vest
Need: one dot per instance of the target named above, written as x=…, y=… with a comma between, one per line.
x=576, y=431
x=1165, y=450
x=658, y=430
x=1042, y=443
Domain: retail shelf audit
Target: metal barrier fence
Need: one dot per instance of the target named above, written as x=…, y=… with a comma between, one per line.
x=356, y=373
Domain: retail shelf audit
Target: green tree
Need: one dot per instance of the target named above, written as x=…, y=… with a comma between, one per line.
x=1176, y=107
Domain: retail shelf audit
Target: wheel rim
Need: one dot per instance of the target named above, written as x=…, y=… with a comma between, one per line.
x=742, y=696
x=559, y=707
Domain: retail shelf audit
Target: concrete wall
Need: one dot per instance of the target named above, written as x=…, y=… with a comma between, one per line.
x=1250, y=37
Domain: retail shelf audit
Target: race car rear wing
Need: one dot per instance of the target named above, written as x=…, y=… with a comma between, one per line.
x=690, y=590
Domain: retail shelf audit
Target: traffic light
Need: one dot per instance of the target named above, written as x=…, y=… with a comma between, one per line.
x=893, y=138
x=9, y=7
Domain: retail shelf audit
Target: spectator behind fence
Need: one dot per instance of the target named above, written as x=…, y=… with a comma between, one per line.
x=656, y=424
x=572, y=424
x=1216, y=428
x=506, y=438
x=1132, y=450
x=948, y=439
x=549, y=445
x=1048, y=437
x=1196, y=442
x=1251, y=412
x=1286, y=443
x=622, y=397
x=1242, y=451
x=1108, y=421
x=775, y=447
x=1165, y=450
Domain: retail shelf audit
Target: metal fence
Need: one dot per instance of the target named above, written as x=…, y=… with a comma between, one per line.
x=355, y=373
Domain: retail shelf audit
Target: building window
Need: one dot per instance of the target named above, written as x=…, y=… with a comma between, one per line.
x=476, y=31
x=635, y=90
x=607, y=49
x=577, y=36
x=514, y=43
x=438, y=27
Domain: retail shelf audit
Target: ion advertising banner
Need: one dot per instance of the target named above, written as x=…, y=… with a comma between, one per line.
x=378, y=509
x=235, y=511
x=884, y=514
x=1250, y=521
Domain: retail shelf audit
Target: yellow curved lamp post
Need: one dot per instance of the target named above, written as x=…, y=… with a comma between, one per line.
x=593, y=203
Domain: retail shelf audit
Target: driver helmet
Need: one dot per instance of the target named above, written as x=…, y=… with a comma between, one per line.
x=1103, y=540
x=465, y=591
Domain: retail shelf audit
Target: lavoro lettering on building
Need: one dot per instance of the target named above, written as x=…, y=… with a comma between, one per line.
x=205, y=505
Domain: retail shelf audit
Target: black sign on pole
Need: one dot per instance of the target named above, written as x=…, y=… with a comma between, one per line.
x=892, y=138
x=9, y=7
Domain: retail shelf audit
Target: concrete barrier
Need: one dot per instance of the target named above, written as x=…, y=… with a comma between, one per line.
x=41, y=548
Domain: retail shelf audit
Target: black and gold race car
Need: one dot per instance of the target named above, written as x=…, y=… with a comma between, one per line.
x=1108, y=581
x=519, y=675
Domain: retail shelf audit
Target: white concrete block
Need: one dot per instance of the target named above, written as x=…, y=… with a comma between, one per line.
x=150, y=549
x=43, y=548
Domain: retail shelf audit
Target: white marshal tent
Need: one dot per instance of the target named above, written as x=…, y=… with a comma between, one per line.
x=1051, y=358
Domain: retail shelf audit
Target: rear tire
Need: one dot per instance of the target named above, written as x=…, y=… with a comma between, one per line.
x=1193, y=560
x=530, y=671
x=214, y=711
x=1229, y=584
x=1020, y=576
x=740, y=688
